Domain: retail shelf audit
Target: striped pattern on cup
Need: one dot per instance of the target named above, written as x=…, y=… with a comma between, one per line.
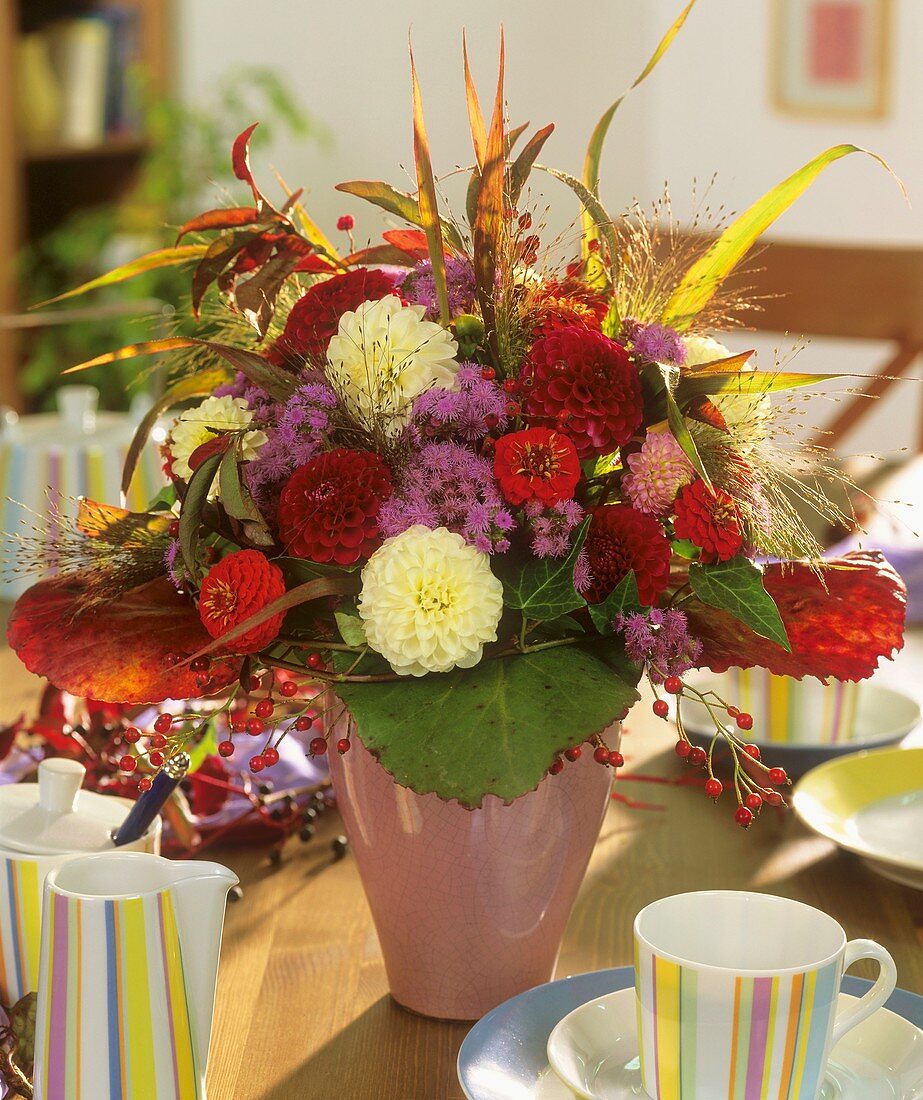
x=21, y=883
x=125, y=954
x=733, y=1037
x=788, y=711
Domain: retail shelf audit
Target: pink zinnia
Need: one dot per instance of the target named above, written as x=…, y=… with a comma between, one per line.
x=657, y=473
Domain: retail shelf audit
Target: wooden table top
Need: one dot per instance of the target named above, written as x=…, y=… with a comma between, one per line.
x=303, y=1011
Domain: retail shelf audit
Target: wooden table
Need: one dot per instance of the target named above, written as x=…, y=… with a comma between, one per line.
x=303, y=1010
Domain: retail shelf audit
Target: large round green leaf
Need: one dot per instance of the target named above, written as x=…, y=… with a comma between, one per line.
x=495, y=728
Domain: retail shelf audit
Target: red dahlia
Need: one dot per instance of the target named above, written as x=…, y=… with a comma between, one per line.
x=584, y=382
x=537, y=464
x=237, y=587
x=328, y=510
x=620, y=540
x=709, y=518
x=316, y=314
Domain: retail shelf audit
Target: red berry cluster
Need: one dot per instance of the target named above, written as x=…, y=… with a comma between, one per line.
x=602, y=754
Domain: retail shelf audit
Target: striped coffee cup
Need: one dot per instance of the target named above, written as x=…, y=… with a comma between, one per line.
x=737, y=994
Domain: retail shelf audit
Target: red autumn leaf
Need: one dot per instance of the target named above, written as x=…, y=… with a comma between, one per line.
x=314, y=263
x=223, y=218
x=240, y=161
x=217, y=445
x=114, y=652
x=411, y=241
x=700, y=408
x=838, y=625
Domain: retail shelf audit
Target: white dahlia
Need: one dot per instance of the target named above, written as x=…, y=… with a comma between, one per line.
x=429, y=601
x=752, y=409
x=384, y=355
x=196, y=426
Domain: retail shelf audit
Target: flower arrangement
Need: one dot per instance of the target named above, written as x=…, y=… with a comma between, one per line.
x=462, y=489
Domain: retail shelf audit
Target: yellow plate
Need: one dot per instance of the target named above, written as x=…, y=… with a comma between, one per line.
x=870, y=803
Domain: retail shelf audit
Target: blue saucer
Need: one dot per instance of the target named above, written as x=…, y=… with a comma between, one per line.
x=504, y=1053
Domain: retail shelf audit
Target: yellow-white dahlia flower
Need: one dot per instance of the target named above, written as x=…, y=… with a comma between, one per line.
x=195, y=427
x=429, y=601
x=384, y=355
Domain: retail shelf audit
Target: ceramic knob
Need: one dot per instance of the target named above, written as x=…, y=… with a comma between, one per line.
x=58, y=783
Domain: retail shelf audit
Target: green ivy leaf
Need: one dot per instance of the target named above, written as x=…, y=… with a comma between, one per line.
x=544, y=588
x=623, y=598
x=350, y=626
x=685, y=548
x=494, y=728
x=736, y=586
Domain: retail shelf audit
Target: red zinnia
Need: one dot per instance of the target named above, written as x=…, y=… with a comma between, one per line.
x=328, y=509
x=316, y=315
x=620, y=540
x=237, y=587
x=709, y=518
x=585, y=382
x=537, y=464
x=569, y=303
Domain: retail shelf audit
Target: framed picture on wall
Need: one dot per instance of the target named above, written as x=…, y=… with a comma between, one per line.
x=831, y=58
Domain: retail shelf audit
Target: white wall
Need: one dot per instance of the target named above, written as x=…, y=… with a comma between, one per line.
x=709, y=111
x=348, y=61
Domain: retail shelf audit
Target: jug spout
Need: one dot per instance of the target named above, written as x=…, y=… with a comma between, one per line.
x=200, y=892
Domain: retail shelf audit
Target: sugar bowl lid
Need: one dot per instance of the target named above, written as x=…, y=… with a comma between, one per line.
x=55, y=817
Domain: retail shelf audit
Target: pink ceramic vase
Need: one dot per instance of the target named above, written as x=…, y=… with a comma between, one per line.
x=470, y=905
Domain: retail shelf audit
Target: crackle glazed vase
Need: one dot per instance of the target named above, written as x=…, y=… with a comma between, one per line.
x=470, y=905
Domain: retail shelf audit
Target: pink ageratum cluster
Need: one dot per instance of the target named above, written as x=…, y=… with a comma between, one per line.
x=656, y=474
x=660, y=640
x=476, y=406
x=448, y=485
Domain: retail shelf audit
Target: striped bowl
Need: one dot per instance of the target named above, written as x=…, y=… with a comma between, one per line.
x=802, y=723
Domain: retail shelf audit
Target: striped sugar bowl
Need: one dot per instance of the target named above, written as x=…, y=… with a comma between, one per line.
x=737, y=995
x=130, y=946
x=42, y=826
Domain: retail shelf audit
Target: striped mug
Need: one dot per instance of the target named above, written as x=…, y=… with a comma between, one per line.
x=130, y=946
x=737, y=995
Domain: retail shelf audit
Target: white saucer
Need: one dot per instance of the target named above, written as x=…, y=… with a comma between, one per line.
x=594, y=1050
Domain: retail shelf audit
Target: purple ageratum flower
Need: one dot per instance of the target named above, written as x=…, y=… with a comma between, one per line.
x=655, y=343
x=448, y=485
x=468, y=412
x=419, y=287
x=173, y=560
x=660, y=640
x=552, y=527
x=295, y=434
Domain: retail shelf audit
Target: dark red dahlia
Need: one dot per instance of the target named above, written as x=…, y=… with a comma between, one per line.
x=709, y=518
x=620, y=540
x=328, y=509
x=316, y=314
x=537, y=464
x=237, y=587
x=584, y=383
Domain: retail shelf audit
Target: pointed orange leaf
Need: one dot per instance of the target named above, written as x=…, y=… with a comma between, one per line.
x=475, y=116
x=427, y=198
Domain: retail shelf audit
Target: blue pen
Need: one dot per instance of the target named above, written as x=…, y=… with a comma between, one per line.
x=150, y=803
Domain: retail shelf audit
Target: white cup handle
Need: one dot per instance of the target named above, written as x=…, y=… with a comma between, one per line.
x=876, y=996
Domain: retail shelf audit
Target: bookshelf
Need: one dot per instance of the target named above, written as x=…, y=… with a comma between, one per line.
x=43, y=180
